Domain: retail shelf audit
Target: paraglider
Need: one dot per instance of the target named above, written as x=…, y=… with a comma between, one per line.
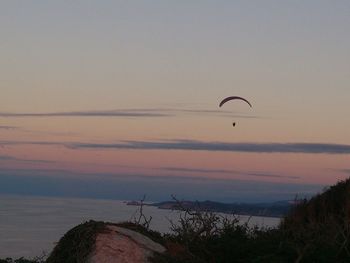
x=234, y=98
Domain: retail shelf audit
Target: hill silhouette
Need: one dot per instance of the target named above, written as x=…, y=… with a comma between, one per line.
x=319, y=228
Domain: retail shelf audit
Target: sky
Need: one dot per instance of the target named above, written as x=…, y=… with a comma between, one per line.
x=116, y=99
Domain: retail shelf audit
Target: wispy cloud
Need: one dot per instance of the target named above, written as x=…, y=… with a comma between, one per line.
x=259, y=174
x=43, y=143
x=110, y=113
x=249, y=147
x=195, y=111
x=5, y=158
x=11, y=158
x=346, y=171
x=223, y=171
x=197, y=170
x=2, y=127
x=193, y=145
x=142, y=112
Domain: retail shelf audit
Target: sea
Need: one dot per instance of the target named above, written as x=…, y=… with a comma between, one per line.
x=30, y=226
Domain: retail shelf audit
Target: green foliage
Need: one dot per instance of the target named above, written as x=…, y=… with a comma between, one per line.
x=318, y=230
x=20, y=260
x=76, y=244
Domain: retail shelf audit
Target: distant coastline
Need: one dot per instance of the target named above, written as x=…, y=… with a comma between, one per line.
x=273, y=209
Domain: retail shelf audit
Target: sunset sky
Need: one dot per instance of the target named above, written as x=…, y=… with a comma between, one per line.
x=116, y=99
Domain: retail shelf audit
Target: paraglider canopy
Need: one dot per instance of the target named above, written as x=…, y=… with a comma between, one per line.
x=234, y=98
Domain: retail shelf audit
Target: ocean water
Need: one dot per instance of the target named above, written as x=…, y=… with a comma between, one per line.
x=31, y=225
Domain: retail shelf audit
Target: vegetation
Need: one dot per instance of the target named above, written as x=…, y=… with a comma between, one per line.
x=315, y=230
x=203, y=236
x=21, y=260
x=319, y=229
x=76, y=245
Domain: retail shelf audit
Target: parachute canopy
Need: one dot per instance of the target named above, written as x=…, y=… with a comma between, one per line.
x=234, y=98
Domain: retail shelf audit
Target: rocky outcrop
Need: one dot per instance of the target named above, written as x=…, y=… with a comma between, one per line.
x=119, y=245
x=99, y=242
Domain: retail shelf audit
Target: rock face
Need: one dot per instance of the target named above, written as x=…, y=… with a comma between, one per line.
x=119, y=245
